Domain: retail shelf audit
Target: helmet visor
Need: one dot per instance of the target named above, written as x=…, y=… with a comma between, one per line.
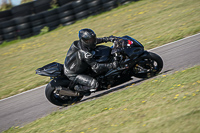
x=90, y=41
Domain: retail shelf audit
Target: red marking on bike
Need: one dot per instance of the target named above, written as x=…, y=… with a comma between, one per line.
x=130, y=42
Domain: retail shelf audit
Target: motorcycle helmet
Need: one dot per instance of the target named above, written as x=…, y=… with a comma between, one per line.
x=88, y=38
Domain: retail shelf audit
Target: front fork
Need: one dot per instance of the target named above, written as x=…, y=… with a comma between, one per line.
x=143, y=66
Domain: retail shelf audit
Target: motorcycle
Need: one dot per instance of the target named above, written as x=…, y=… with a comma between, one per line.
x=134, y=61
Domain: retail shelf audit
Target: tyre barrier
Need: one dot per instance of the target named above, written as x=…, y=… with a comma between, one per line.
x=66, y=14
x=94, y=6
x=67, y=20
x=41, y=5
x=5, y=15
x=107, y=6
x=65, y=8
x=81, y=15
x=8, y=29
x=80, y=9
x=1, y=37
x=22, y=10
x=37, y=23
x=63, y=2
x=28, y=19
x=122, y=2
x=23, y=27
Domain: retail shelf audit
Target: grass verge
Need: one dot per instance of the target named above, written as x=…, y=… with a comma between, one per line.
x=152, y=22
x=169, y=103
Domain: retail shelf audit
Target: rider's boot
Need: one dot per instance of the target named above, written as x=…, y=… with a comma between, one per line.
x=84, y=89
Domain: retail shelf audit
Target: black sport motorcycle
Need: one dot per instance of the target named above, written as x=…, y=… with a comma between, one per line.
x=134, y=61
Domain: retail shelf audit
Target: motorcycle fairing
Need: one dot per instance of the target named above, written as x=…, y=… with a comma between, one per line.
x=52, y=70
x=102, y=53
x=133, y=52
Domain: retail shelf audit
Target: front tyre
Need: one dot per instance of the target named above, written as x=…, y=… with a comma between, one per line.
x=148, y=66
x=53, y=97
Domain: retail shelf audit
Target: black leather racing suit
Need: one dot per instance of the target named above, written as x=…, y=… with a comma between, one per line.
x=79, y=59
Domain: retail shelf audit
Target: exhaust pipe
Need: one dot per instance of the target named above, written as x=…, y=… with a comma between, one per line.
x=67, y=92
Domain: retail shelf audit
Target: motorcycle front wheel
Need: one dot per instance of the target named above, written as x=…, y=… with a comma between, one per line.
x=56, y=99
x=148, y=66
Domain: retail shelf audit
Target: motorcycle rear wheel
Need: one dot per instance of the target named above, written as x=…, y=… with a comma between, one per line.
x=148, y=66
x=56, y=99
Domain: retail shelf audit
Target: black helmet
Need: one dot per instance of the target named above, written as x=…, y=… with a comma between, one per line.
x=88, y=38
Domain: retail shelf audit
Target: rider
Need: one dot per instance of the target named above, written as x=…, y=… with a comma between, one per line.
x=80, y=58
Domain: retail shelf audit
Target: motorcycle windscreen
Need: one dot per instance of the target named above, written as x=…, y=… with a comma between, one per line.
x=135, y=42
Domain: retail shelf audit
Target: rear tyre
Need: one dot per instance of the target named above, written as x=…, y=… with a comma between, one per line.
x=56, y=99
x=148, y=66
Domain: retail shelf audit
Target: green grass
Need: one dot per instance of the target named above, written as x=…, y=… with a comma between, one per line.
x=152, y=22
x=168, y=104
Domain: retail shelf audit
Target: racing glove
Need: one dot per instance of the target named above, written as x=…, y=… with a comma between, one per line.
x=109, y=39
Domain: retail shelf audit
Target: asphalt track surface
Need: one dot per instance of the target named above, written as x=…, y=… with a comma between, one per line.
x=31, y=105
